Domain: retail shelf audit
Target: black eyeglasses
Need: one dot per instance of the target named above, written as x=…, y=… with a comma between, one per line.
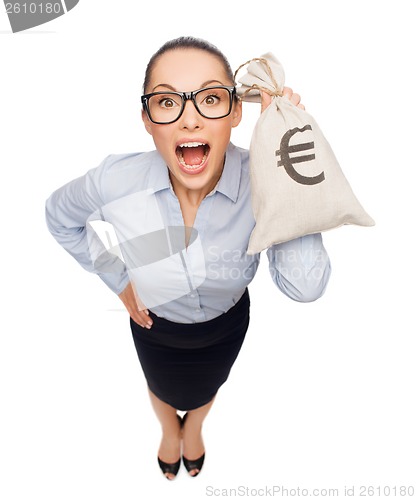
x=167, y=107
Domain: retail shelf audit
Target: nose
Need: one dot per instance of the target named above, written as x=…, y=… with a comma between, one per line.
x=190, y=118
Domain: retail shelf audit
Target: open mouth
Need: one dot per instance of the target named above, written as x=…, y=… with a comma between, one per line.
x=192, y=155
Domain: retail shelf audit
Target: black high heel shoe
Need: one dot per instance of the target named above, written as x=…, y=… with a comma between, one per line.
x=192, y=464
x=170, y=468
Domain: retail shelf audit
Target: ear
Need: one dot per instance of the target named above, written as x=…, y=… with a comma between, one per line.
x=237, y=113
x=147, y=122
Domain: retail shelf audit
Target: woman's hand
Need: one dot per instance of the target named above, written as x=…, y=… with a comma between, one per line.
x=135, y=307
x=266, y=99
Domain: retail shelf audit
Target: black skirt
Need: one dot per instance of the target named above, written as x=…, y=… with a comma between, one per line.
x=186, y=363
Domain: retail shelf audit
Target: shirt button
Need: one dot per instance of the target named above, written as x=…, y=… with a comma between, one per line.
x=197, y=309
x=192, y=295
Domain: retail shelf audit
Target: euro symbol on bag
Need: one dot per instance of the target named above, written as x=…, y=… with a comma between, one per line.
x=287, y=162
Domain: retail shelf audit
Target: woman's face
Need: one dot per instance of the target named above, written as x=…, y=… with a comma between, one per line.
x=198, y=165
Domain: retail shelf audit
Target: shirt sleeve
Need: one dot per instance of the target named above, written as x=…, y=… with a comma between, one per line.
x=69, y=212
x=300, y=268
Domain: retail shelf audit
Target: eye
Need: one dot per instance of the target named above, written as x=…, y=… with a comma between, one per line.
x=211, y=100
x=167, y=103
x=164, y=101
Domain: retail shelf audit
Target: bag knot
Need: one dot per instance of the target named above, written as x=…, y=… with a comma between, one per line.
x=275, y=92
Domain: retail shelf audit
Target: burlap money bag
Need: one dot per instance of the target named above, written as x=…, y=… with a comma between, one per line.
x=298, y=187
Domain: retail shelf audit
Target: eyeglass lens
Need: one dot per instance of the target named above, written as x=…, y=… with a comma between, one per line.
x=211, y=103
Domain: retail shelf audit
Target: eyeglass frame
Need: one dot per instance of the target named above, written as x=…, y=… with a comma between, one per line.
x=189, y=96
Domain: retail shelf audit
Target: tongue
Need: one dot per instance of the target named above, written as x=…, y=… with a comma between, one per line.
x=193, y=156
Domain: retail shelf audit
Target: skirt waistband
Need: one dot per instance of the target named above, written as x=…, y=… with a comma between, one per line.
x=192, y=335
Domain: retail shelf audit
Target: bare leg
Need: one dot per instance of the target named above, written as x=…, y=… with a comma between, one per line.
x=170, y=446
x=193, y=445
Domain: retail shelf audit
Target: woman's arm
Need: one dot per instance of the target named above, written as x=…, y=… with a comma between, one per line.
x=68, y=212
x=300, y=268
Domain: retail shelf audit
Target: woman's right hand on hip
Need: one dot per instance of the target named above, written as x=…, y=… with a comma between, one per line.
x=135, y=307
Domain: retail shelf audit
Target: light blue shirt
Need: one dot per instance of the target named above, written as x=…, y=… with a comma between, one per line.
x=122, y=221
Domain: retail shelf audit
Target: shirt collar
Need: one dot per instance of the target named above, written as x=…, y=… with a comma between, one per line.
x=228, y=185
x=158, y=173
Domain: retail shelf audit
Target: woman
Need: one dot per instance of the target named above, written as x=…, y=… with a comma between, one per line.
x=183, y=217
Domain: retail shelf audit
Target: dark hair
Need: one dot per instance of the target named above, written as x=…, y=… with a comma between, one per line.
x=187, y=42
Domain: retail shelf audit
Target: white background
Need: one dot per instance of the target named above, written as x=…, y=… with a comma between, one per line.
x=322, y=395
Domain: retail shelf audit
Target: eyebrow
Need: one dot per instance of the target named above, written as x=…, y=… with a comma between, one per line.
x=166, y=85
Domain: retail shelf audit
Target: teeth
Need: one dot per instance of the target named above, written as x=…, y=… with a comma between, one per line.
x=191, y=144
